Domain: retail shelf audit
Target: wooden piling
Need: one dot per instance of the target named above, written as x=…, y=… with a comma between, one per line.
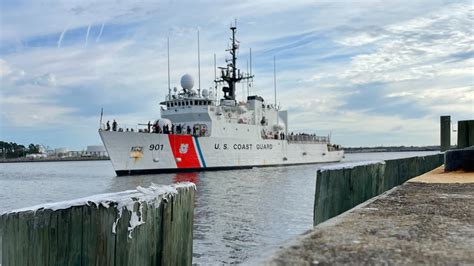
x=465, y=134
x=151, y=226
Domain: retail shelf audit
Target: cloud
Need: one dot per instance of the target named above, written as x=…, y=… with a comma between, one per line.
x=27, y=112
x=87, y=34
x=100, y=32
x=359, y=69
x=61, y=37
x=47, y=79
x=4, y=68
x=414, y=49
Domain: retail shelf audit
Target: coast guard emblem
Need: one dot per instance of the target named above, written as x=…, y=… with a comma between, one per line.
x=183, y=149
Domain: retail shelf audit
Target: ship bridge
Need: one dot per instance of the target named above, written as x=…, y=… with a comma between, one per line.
x=187, y=110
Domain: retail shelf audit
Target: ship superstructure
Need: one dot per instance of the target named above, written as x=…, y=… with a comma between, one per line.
x=198, y=132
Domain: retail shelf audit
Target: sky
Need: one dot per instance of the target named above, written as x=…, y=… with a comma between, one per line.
x=369, y=73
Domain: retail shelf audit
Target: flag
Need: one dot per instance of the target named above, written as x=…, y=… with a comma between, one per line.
x=101, y=114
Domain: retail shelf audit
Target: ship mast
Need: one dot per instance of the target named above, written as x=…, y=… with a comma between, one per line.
x=231, y=74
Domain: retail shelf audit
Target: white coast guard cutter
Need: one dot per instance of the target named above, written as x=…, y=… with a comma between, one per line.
x=198, y=132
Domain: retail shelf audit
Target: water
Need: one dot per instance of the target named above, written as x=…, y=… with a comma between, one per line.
x=238, y=214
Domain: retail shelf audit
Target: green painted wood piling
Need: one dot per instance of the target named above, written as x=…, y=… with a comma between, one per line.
x=151, y=226
x=341, y=189
x=465, y=134
x=445, y=132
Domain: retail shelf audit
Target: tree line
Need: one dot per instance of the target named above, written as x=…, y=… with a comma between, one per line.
x=14, y=150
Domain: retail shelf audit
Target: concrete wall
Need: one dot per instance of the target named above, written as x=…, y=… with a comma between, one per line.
x=152, y=226
x=338, y=190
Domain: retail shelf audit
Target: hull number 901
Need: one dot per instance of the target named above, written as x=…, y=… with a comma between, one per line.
x=156, y=147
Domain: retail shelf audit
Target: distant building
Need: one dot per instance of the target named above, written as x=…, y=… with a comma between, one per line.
x=74, y=154
x=61, y=152
x=90, y=151
x=95, y=151
x=36, y=155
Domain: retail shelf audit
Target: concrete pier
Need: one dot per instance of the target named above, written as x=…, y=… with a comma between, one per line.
x=342, y=187
x=428, y=220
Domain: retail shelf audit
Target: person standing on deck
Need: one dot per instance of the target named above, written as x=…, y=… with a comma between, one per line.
x=114, y=126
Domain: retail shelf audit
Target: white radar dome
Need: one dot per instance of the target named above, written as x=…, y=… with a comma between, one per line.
x=187, y=82
x=205, y=93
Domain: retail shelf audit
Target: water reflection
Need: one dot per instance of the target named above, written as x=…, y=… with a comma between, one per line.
x=186, y=177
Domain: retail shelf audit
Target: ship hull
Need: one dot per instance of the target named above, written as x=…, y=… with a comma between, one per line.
x=134, y=153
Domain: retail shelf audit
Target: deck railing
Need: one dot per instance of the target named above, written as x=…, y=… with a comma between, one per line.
x=307, y=138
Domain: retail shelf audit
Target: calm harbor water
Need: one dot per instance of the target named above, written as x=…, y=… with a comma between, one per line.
x=238, y=214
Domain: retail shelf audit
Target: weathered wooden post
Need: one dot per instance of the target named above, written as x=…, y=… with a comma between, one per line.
x=465, y=134
x=445, y=125
x=147, y=226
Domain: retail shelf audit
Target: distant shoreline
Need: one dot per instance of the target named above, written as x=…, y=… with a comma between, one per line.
x=28, y=160
x=346, y=150
x=390, y=149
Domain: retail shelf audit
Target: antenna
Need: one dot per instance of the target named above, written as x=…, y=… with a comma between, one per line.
x=243, y=92
x=274, y=84
x=215, y=74
x=169, y=85
x=251, y=77
x=274, y=79
x=250, y=61
x=248, y=91
x=231, y=75
x=215, y=68
x=275, y=87
x=199, y=68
